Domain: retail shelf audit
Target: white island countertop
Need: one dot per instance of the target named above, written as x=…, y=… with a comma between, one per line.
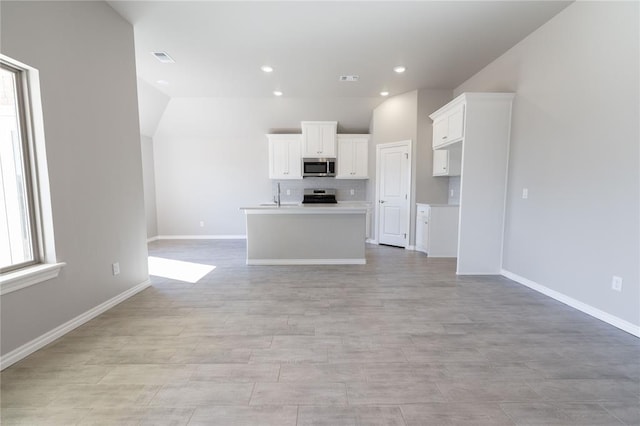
x=298, y=208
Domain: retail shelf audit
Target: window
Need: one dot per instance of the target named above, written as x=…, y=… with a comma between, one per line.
x=27, y=251
x=17, y=236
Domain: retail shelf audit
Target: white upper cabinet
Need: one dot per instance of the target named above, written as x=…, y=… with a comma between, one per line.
x=285, y=161
x=319, y=138
x=353, y=157
x=448, y=162
x=448, y=125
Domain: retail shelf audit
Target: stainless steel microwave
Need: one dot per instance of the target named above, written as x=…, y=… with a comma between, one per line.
x=324, y=167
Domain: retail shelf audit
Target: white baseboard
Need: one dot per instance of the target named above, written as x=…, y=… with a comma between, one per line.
x=201, y=237
x=371, y=241
x=306, y=261
x=581, y=306
x=39, y=342
x=152, y=239
x=410, y=248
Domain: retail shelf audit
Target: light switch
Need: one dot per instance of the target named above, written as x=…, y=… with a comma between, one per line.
x=525, y=193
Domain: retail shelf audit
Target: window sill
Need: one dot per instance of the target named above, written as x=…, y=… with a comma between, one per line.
x=26, y=277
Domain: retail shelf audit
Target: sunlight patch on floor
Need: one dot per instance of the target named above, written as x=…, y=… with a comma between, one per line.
x=178, y=270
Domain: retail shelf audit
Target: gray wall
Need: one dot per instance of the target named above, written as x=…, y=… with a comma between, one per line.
x=151, y=103
x=575, y=147
x=149, y=179
x=211, y=155
x=85, y=54
x=404, y=117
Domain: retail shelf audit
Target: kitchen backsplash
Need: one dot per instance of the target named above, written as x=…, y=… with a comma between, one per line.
x=343, y=188
x=454, y=190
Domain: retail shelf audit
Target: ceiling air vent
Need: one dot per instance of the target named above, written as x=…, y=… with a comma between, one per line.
x=163, y=57
x=349, y=78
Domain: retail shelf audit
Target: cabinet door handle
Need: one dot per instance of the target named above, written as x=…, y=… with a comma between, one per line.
x=382, y=201
x=444, y=137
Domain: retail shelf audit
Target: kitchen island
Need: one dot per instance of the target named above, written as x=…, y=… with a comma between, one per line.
x=326, y=234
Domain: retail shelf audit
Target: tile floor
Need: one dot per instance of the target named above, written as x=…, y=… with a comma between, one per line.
x=399, y=341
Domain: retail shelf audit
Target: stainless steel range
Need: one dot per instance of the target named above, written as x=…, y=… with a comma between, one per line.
x=319, y=196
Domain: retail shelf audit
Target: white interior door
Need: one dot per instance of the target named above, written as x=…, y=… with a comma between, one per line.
x=393, y=194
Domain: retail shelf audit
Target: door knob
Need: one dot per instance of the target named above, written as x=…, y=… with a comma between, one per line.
x=382, y=201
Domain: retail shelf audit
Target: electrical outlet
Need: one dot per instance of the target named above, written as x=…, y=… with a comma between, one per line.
x=115, y=268
x=451, y=193
x=525, y=193
x=288, y=192
x=616, y=283
x=352, y=191
x=202, y=224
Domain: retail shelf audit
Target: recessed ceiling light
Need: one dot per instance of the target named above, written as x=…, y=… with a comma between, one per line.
x=399, y=69
x=266, y=68
x=277, y=93
x=384, y=93
x=163, y=57
x=162, y=82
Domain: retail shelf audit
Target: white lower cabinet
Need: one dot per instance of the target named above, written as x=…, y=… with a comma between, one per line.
x=437, y=229
x=285, y=161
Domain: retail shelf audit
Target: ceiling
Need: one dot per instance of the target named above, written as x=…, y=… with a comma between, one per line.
x=219, y=47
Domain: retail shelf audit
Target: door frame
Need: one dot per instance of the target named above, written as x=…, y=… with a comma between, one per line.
x=379, y=148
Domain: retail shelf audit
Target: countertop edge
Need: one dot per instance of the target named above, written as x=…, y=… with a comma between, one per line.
x=333, y=209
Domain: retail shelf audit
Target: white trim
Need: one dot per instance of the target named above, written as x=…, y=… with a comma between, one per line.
x=306, y=261
x=152, y=239
x=371, y=241
x=410, y=247
x=581, y=306
x=29, y=276
x=475, y=273
x=39, y=342
x=201, y=237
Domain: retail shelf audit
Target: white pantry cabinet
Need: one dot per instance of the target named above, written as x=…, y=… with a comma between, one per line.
x=448, y=162
x=481, y=124
x=448, y=125
x=319, y=139
x=353, y=157
x=285, y=161
x=437, y=229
